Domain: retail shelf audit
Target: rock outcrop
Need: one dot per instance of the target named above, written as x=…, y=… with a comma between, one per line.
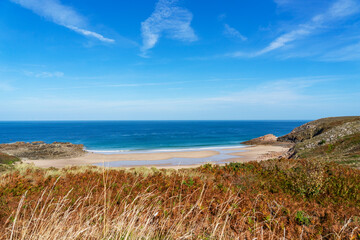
x=263, y=140
x=41, y=150
x=321, y=126
x=335, y=138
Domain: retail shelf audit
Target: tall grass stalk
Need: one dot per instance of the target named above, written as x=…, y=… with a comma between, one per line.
x=67, y=218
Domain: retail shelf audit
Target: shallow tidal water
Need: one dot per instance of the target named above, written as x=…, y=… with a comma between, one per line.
x=221, y=158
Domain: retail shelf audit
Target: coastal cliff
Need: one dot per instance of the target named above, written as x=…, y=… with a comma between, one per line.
x=330, y=129
x=334, y=138
x=41, y=150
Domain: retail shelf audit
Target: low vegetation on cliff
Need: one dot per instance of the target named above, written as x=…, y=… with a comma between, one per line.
x=41, y=150
x=334, y=139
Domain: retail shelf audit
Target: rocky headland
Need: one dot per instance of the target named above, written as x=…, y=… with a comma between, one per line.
x=41, y=150
x=334, y=138
x=268, y=139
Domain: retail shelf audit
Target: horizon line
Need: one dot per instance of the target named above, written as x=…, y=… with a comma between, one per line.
x=158, y=120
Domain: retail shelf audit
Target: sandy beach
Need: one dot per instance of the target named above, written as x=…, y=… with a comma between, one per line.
x=241, y=154
x=259, y=153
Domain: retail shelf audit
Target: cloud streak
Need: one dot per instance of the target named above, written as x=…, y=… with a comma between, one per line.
x=45, y=74
x=167, y=19
x=62, y=15
x=347, y=53
x=278, y=94
x=232, y=32
x=339, y=9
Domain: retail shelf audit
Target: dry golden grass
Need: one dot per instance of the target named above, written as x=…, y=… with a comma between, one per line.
x=211, y=202
x=64, y=219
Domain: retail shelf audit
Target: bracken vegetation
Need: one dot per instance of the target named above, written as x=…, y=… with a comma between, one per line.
x=276, y=199
x=7, y=159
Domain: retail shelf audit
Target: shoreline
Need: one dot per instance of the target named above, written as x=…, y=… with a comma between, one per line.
x=164, y=159
x=165, y=150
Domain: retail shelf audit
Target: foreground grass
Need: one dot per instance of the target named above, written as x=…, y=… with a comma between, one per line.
x=267, y=200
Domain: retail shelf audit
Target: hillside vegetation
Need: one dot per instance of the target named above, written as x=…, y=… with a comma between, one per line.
x=6, y=159
x=263, y=200
x=336, y=139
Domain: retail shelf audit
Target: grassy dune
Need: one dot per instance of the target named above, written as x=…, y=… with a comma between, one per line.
x=264, y=200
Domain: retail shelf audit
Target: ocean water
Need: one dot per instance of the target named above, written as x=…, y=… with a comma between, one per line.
x=122, y=136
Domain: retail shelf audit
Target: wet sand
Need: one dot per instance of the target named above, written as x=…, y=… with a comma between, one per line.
x=247, y=154
x=241, y=154
x=93, y=158
x=260, y=152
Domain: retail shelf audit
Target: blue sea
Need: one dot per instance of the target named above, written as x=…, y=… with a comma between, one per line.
x=121, y=136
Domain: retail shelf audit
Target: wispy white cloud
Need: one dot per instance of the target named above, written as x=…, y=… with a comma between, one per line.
x=168, y=19
x=266, y=96
x=91, y=34
x=232, y=32
x=273, y=99
x=276, y=92
x=309, y=34
x=60, y=14
x=44, y=74
x=347, y=53
x=286, y=38
x=139, y=85
x=338, y=10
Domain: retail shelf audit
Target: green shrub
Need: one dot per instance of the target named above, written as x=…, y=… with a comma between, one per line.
x=7, y=159
x=304, y=177
x=308, y=178
x=331, y=147
x=302, y=218
x=236, y=166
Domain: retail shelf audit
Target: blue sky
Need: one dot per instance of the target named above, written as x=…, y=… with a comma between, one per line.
x=169, y=59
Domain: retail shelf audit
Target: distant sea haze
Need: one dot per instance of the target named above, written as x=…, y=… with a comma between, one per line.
x=120, y=136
